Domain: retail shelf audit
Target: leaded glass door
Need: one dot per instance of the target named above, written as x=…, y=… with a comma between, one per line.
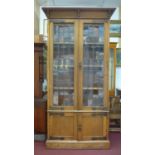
x=64, y=64
x=92, y=65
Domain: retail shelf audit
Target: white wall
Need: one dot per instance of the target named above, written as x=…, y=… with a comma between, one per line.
x=36, y=17
x=118, y=77
x=43, y=26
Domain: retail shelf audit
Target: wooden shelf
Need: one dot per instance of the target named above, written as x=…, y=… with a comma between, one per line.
x=93, y=88
x=63, y=66
x=100, y=44
x=93, y=66
x=64, y=88
x=63, y=43
x=78, y=111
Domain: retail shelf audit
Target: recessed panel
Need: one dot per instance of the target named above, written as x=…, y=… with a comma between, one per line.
x=62, y=125
x=92, y=126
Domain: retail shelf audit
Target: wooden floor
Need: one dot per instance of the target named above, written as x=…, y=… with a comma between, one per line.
x=115, y=138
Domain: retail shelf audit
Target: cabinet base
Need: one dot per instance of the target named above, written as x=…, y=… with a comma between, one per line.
x=74, y=144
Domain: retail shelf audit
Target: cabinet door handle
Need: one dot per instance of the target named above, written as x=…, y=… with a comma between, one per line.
x=79, y=127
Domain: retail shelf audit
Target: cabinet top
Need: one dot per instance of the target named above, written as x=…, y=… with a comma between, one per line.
x=78, y=12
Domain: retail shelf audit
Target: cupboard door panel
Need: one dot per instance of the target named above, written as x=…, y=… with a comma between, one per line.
x=93, y=126
x=62, y=126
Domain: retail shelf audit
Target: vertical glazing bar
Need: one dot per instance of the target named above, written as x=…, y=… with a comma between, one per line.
x=48, y=83
x=75, y=64
x=80, y=77
x=106, y=64
x=49, y=71
x=51, y=64
x=80, y=70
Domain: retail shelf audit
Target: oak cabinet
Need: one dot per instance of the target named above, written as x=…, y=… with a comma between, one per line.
x=77, y=77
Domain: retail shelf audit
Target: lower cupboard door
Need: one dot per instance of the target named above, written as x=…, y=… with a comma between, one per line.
x=92, y=126
x=62, y=126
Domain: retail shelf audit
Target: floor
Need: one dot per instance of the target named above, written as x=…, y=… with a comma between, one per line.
x=40, y=149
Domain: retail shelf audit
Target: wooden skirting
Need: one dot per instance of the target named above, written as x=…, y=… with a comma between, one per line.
x=73, y=144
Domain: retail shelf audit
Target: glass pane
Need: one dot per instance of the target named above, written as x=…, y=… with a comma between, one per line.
x=93, y=33
x=63, y=33
x=111, y=69
x=63, y=97
x=93, y=97
x=93, y=65
x=93, y=76
x=63, y=65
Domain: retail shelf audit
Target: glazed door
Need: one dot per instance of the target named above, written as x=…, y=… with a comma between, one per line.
x=63, y=63
x=93, y=68
x=62, y=78
x=93, y=95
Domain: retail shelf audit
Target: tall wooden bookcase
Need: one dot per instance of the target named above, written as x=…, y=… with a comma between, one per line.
x=77, y=77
